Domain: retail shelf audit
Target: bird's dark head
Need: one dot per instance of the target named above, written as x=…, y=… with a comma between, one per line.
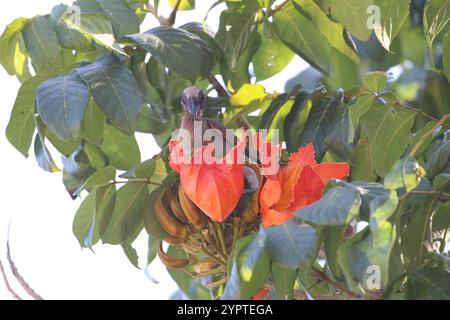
x=193, y=100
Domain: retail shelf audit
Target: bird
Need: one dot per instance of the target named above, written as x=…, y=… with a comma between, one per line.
x=193, y=103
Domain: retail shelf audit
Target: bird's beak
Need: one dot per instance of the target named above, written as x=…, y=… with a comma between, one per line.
x=193, y=107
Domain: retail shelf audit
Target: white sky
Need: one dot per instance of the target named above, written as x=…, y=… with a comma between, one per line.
x=43, y=247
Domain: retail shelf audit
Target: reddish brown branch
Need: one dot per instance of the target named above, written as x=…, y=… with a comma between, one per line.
x=8, y=287
x=19, y=278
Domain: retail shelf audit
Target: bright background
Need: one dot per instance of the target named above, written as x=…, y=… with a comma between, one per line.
x=40, y=211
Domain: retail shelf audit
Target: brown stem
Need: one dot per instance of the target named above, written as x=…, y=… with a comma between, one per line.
x=8, y=287
x=221, y=237
x=221, y=91
x=428, y=135
x=322, y=276
x=19, y=278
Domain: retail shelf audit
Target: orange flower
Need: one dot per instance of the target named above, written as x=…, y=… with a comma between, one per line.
x=297, y=185
x=214, y=185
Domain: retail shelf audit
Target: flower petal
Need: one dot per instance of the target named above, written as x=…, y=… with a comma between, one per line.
x=307, y=190
x=332, y=170
x=273, y=217
x=304, y=156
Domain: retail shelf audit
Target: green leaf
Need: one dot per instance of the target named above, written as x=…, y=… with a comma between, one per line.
x=271, y=57
x=43, y=156
x=94, y=25
x=393, y=15
x=93, y=123
x=292, y=119
x=21, y=125
x=61, y=103
x=114, y=90
x=249, y=269
x=68, y=38
x=123, y=19
x=319, y=122
x=381, y=209
x=43, y=46
x=102, y=177
x=152, y=226
x=302, y=37
x=333, y=239
x=414, y=238
x=334, y=32
x=441, y=219
x=428, y=284
x=182, y=52
x=361, y=163
x=414, y=139
x=121, y=149
x=187, y=285
x=342, y=135
x=365, y=257
x=77, y=169
x=376, y=81
x=388, y=132
x=131, y=254
x=275, y=106
x=352, y=14
x=127, y=217
x=84, y=222
x=359, y=108
x=436, y=17
x=13, y=55
x=406, y=174
x=184, y=4
x=446, y=55
x=94, y=214
x=438, y=160
x=337, y=206
x=291, y=244
x=284, y=280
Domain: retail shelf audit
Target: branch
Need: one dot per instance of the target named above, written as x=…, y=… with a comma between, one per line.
x=428, y=135
x=19, y=278
x=8, y=287
x=322, y=276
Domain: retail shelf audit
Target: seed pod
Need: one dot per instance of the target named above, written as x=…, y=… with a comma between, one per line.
x=176, y=207
x=192, y=213
x=169, y=223
x=171, y=262
x=174, y=241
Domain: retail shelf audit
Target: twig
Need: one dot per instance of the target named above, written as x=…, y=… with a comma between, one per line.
x=428, y=134
x=19, y=278
x=8, y=287
x=221, y=237
x=322, y=276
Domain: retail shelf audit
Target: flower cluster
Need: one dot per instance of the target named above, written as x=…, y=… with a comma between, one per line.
x=216, y=187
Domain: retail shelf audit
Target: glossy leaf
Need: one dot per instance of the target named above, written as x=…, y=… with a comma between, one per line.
x=182, y=52
x=43, y=46
x=291, y=244
x=123, y=19
x=306, y=41
x=61, y=103
x=114, y=90
x=405, y=174
x=337, y=206
x=127, y=217
x=388, y=133
x=21, y=125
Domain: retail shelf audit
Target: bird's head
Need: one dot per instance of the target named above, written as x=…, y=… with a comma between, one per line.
x=193, y=100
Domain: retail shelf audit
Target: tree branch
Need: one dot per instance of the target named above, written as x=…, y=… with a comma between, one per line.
x=8, y=287
x=428, y=135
